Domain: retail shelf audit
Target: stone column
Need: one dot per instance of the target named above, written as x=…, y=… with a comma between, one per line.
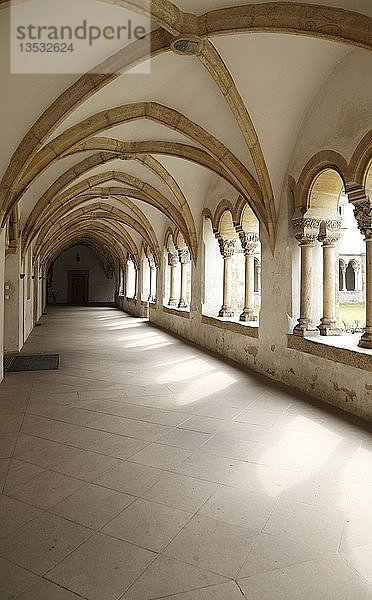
x=366, y=340
x=249, y=243
x=357, y=278
x=306, y=232
x=184, y=258
x=152, y=265
x=173, y=264
x=329, y=238
x=363, y=214
x=343, y=278
x=227, y=248
x=258, y=269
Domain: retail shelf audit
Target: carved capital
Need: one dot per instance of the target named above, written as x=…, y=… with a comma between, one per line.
x=249, y=241
x=172, y=259
x=330, y=234
x=151, y=262
x=363, y=214
x=184, y=256
x=227, y=247
x=306, y=230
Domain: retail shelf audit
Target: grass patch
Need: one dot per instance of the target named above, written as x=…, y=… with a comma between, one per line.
x=352, y=315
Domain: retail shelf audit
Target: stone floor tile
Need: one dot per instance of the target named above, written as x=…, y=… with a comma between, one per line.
x=147, y=524
x=119, y=409
x=102, y=568
x=14, y=580
x=273, y=481
x=43, y=542
x=207, y=466
x=141, y=430
x=321, y=492
x=166, y=576
x=168, y=417
x=4, y=467
x=14, y=514
x=329, y=578
x=203, y=424
x=357, y=532
x=360, y=558
x=314, y=526
x=223, y=445
x=46, y=590
x=223, y=591
x=119, y=446
x=179, y=491
x=92, y=506
x=183, y=438
x=130, y=478
x=44, y=490
x=43, y=453
x=160, y=456
x=213, y=545
x=10, y=423
x=65, y=433
x=88, y=465
x=271, y=552
x=245, y=508
x=7, y=444
x=19, y=472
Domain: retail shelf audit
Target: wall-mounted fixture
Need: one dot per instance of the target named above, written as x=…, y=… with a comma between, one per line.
x=40, y=277
x=33, y=277
x=77, y=257
x=22, y=275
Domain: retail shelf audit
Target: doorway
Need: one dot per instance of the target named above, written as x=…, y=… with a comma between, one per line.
x=78, y=287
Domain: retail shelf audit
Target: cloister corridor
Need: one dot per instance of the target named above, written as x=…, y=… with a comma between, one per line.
x=145, y=468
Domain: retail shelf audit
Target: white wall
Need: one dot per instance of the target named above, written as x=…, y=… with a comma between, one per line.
x=101, y=289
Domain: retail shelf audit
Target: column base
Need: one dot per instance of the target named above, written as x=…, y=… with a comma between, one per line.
x=226, y=311
x=183, y=304
x=329, y=328
x=248, y=315
x=305, y=328
x=173, y=302
x=366, y=340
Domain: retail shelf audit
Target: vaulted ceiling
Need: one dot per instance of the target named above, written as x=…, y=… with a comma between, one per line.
x=127, y=155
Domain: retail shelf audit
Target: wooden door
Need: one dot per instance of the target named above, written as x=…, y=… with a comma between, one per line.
x=78, y=288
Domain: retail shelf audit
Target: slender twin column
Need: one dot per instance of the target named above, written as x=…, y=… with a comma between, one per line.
x=184, y=258
x=363, y=214
x=152, y=295
x=329, y=238
x=173, y=264
x=343, y=278
x=249, y=243
x=306, y=232
x=366, y=340
x=227, y=248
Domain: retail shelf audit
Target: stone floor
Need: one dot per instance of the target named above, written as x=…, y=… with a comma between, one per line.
x=145, y=469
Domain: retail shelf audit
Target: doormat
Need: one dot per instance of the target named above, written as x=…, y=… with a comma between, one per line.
x=32, y=362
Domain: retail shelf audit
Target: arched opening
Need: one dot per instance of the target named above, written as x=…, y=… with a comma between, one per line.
x=350, y=277
x=81, y=275
x=131, y=279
